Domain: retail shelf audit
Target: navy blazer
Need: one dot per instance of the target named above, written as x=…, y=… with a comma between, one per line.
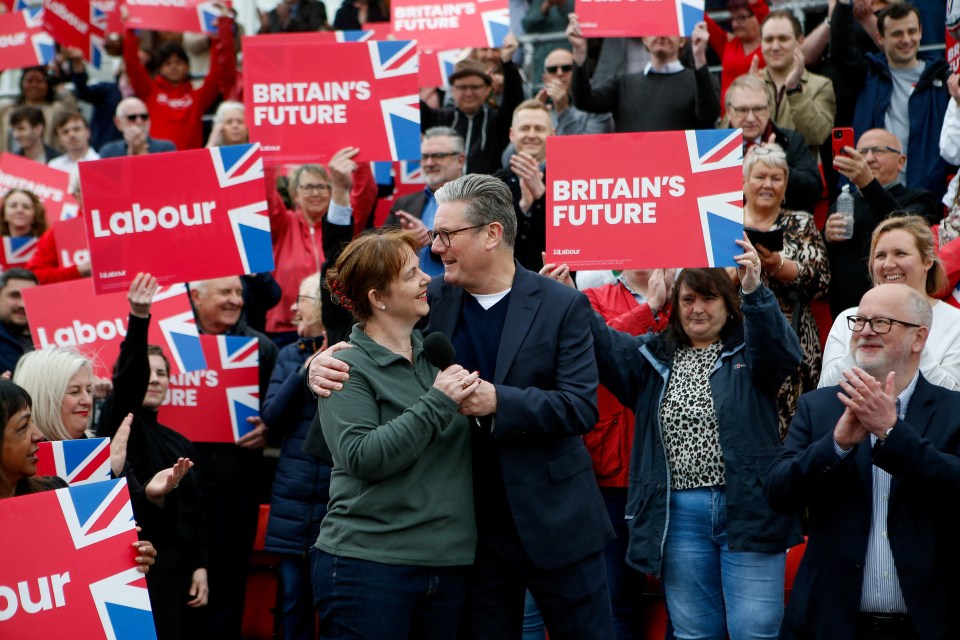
x=923, y=524
x=546, y=383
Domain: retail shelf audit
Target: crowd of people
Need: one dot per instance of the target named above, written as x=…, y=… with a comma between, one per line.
x=468, y=440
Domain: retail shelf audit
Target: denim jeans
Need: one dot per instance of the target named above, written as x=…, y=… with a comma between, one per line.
x=711, y=590
x=299, y=617
x=360, y=599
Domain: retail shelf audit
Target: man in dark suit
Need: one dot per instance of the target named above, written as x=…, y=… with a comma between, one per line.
x=442, y=155
x=541, y=521
x=875, y=463
x=133, y=121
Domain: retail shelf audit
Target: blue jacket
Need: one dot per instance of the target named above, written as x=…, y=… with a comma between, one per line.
x=118, y=148
x=756, y=358
x=302, y=483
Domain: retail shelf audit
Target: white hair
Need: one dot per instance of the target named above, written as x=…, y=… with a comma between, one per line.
x=45, y=375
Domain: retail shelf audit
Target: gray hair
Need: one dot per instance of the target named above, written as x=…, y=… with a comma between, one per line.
x=45, y=375
x=227, y=105
x=748, y=82
x=770, y=154
x=918, y=308
x=446, y=132
x=315, y=169
x=487, y=200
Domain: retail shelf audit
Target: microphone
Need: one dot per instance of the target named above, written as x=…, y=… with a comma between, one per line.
x=439, y=350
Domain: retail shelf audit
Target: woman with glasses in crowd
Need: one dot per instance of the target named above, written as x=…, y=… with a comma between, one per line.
x=902, y=251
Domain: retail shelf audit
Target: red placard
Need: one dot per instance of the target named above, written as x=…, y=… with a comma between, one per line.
x=77, y=23
x=50, y=185
x=111, y=9
x=645, y=200
x=363, y=95
x=23, y=42
x=69, y=565
x=69, y=314
x=71, y=240
x=137, y=223
x=952, y=51
x=213, y=404
x=626, y=18
x=198, y=16
x=450, y=25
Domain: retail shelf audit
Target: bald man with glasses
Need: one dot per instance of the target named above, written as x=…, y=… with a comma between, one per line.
x=133, y=121
x=875, y=465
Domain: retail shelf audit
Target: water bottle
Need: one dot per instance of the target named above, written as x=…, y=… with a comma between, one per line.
x=845, y=209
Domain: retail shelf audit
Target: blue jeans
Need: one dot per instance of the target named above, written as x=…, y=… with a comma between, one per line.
x=711, y=590
x=362, y=599
x=299, y=617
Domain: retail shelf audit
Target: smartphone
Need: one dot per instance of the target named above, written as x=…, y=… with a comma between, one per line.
x=841, y=137
x=771, y=240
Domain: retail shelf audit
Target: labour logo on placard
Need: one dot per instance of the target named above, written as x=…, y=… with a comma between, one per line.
x=393, y=58
x=721, y=214
x=18, y=250
x=76, y=461
x=496, y=25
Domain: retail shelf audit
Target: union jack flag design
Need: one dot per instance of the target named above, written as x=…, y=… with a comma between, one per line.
x=238, y=352
x=251, y=232
x=182, y=336
x=382, y=173
x=243, y=403
x=392, y=58
x=18, y=250
x=411, y=172
x=401, y=117
x=94, y=512
x=721, y=221
x=123, y=605
x=689, y=13
x=714, y=149
x=496, y=26
x=207, y=14
x=30, y=44
x=76, y=461
x=370, y=31
x=237, y=164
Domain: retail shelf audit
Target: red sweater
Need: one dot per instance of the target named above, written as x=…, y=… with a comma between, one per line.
x=298, y=246
x=176, y=111
x=45, y=262
x=611, y=440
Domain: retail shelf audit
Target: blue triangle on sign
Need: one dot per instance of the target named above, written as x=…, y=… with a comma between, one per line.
x=723, y=236
x=243, y=412
x=709, y=138
x=76, y=451
x=406, y=136
x=191, y=354
x=383, y=173
x=498, y=32
x=257, y=247
x=690, y=16
x=130, y=623
x=390, y=48
x=231, y=154
x=87, y=498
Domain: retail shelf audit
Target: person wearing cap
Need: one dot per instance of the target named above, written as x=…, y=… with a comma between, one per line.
x=737, y=50
x=485, y=129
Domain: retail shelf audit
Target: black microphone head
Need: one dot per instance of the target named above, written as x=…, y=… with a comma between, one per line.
x=439, y=350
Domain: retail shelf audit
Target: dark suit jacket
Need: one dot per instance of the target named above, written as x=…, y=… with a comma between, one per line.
x=118, y=148
x=923, y=525
x=546, y=382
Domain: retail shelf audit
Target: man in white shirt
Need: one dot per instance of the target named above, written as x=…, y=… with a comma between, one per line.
x=73, y=135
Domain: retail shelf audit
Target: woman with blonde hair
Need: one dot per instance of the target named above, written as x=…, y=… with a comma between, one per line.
x=903, y=251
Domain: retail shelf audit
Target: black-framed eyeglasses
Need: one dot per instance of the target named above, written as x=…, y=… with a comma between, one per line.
x=879, y=325
x=757, y=110
x=133, y=117
x=555, y=68
x=437, y=156
x=313, y=188
x=445, y=236
x=878, y=151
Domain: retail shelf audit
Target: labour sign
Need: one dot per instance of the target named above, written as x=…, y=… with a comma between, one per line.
x=626, y=18
x=23, y=42
x=451, y=24
x=212, y=404
x=645, y=200
x=173, y=15
x=69, y=314
x=68, y=564
x=215, y=228
x=363, y=95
